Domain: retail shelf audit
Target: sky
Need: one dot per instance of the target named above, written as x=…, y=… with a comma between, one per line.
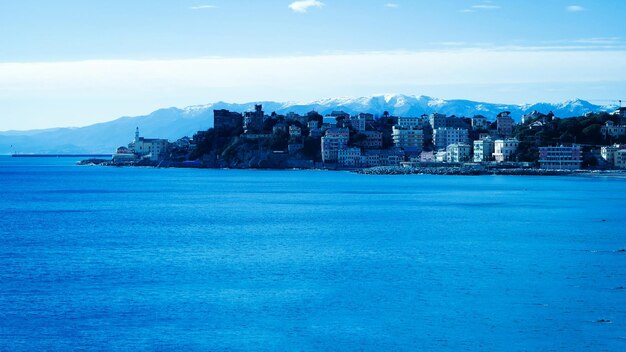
x=79, y=62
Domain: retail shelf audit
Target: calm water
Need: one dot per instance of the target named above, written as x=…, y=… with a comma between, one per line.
x=163, y=259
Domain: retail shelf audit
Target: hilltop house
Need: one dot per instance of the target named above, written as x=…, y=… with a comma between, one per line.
x=611, y=130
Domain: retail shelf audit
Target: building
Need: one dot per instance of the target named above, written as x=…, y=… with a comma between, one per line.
x=334, y=140
x=504, y=149
x=292, y=116
x=437, y=120
x=123, y=156
x=387, y=157
x=610, y=129
x=608, y=152
x=340, y=114
x=458, y=153
x=505, y=123
x=373, y=140
x=537, y=126
x=408, y=138
x=483, y=150
x=561, y=157
x=366, y=116
x=457, y=122
x=225, y=120
x=315, y=132
x=295, y=131
x=444, y=136
x=149, y=148
x=294, y=147
x=253, y=120
x=372, y=158
x=440, y=156
x=358, y=124
x=480, y=122
x=349, y=157
x=409, y=122
x=621, y=112
x=620, y=159
x=427, y=157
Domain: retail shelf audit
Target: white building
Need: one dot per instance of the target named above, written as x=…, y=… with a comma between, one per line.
x=334, y=140
x=483, y=150
x=150, y=148
x=504, y=149
x=458, y=153
x=608, y=152
x=561, y=157
x=440, y=156
x=444, y=136
x=408, y=138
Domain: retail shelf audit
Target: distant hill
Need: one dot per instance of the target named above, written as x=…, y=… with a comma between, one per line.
x=173, y=123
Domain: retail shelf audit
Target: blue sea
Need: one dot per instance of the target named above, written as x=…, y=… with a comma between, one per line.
x=143, y=259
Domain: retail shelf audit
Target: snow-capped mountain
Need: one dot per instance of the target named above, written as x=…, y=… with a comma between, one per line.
x=173, y=123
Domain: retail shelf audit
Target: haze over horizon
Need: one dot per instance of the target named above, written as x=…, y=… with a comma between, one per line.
x=75, y=63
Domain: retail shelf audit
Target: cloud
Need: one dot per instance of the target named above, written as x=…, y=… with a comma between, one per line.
x=485, y=6
x=392, y=5
x=575, y=8
x=303, y=5
x=203, y=7
x=99, y=90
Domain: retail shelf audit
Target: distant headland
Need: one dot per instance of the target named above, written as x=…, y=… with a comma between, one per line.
x=345, y=141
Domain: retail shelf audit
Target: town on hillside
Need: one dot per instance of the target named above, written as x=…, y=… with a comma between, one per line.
x=253, y=139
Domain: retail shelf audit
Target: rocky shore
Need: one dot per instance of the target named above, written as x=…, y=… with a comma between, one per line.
x=478, y=171
x=451, y=170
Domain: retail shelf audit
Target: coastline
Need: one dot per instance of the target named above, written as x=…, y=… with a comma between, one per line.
x=443, y=170
x=478, y=171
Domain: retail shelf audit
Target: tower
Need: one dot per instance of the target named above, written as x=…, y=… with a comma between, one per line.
x=136, y=134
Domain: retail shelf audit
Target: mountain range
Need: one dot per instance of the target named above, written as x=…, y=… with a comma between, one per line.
x=173, y=123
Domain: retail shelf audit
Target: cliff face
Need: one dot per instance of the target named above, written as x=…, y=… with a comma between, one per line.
x=252, y=154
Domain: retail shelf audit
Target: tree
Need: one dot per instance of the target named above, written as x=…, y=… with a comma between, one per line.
x=312, y=148
x=205, y=145
x=279, y=140
x=356, y=138
x=567, y=138
x=592, y=134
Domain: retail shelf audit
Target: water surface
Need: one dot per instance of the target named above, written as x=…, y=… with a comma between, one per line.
x=161, y=259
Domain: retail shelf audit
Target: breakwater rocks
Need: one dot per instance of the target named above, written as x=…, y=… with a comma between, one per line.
x=460, y=171
x=93, y=162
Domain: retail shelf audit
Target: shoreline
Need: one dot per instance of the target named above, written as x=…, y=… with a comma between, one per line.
x=479, y=171
x=442, y=170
